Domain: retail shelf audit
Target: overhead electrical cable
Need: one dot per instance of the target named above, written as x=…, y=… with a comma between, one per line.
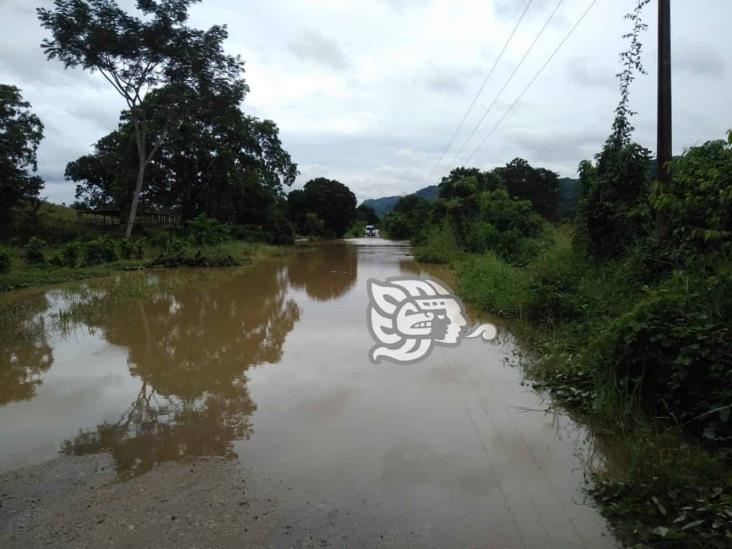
x=480, y=90
x=515, y=102
x=507, y=82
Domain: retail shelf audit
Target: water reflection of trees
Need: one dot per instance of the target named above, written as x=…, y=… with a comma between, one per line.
x=24, y=350
x=191, y=347
x=326, y=272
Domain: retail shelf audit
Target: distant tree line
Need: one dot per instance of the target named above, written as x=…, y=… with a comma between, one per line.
x=481, y=210
x=182, y=143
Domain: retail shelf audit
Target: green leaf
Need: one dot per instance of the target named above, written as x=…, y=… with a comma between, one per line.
x=692, y=524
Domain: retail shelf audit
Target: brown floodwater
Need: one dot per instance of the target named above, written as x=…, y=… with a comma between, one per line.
x=269, y=366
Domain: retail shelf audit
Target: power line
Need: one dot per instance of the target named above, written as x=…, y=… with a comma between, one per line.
x=480, y=90
x=510, y=108
x=508, y=81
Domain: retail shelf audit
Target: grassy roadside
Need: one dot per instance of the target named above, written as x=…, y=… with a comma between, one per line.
x=21, y=274
x=667, y=479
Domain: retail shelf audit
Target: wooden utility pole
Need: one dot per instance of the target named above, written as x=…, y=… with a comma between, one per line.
x=663, y=143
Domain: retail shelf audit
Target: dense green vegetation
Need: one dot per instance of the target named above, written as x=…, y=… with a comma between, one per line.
x=631, y=319
x=22, y=131
x=628, y=310
x=203, y=242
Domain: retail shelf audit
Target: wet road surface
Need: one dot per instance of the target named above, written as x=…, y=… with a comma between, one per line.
x=268, y=368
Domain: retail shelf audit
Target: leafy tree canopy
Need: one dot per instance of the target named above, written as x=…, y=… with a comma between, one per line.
x=152, y=55
x=330, y=200
x=21, y=132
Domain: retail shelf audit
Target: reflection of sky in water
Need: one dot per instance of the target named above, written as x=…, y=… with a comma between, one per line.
x=270, y=364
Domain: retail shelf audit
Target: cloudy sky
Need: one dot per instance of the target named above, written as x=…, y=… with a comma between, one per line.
x=369, y=92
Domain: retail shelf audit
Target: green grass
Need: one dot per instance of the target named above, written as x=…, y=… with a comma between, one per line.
x=23, y=275
x=660, y=487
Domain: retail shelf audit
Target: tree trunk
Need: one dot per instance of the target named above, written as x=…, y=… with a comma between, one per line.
x=135, y=198
x=140, y=142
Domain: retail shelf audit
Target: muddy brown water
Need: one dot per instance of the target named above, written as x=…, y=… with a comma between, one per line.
x=268, y=366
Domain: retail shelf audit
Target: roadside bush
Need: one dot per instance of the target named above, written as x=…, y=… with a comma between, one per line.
x=555, y=280
x=612, y=210
x=673, y=351
x=5, y=260
x=33, y=251
x=396, y=226
x=357, y=230
x=696, y=205
x=208, y=231
x=439, y=246
x=100, y=250
x=494, y=285
x=502, y=225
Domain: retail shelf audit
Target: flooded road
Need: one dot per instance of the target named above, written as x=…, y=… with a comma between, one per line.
x=268, y=368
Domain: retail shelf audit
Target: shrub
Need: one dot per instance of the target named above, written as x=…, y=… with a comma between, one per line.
x=555, y=281
x=281, y=230
x=33, y=251
x=501, y=224
x=396, y=226
x=208, y=231
x=697, y=203
x=357, y=230
x=439, y=246
x=71, y=253
x=131, y=249
x=494, y=285
x=612, y=208
x=249, y=233
x=5, y=260
x=168, y=243
x=672, y=350
x=100, y=250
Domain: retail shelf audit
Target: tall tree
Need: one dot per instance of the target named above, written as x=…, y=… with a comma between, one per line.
x=21, y=131
x=539, y=185
x=138, y=55
x=330, y=200
x=217, y=161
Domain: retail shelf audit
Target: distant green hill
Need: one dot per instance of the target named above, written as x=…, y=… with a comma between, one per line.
x=386, y=204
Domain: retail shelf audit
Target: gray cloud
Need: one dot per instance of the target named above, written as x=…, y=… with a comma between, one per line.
x=447, y=80
x=583, y=72
x=698, y=59
x=315, y=48
x=557, y=145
